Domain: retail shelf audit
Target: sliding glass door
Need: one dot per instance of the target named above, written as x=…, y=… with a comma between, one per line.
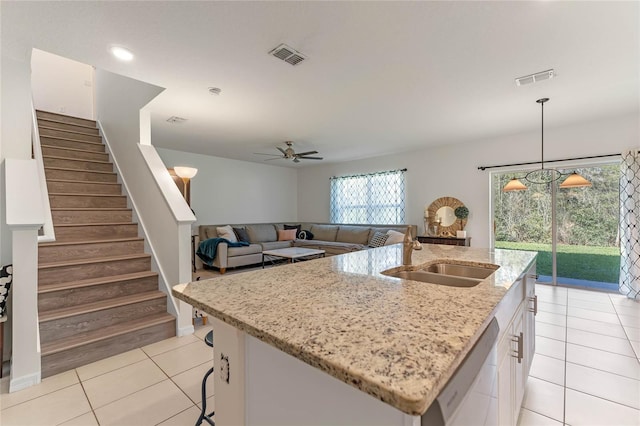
x=586, y=252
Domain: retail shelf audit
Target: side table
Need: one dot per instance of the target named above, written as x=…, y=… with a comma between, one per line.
x=451, y=241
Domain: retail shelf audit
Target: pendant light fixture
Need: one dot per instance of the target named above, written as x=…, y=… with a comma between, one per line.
x=574, y=180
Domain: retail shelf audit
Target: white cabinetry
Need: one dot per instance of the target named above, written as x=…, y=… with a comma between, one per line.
x=516, y=346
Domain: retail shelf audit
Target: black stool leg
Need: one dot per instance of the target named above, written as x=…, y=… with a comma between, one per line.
x=203, y=413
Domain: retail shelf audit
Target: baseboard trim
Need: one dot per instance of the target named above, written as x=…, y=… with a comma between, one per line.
x=184, y=331
x=19, y=383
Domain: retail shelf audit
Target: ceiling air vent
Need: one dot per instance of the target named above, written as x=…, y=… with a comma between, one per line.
x=534, y=78
x=288, y=54
x=174, y=119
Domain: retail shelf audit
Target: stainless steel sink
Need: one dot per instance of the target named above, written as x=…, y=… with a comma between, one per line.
x=435, y=278
x=465, y=271
x=449, y=274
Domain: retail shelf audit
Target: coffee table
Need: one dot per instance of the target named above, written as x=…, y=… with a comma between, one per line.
x=292, y=253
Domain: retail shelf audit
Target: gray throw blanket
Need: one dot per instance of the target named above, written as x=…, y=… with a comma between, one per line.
x=208, y=248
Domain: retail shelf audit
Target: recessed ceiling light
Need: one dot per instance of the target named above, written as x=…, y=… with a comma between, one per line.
x=121, y=53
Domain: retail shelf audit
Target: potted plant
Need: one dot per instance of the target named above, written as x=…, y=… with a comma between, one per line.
x=461, y=213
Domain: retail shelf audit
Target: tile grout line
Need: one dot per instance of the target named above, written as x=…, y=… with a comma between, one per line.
x=75, y=370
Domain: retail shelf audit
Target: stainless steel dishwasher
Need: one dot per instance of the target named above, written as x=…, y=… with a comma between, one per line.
x=470, y=396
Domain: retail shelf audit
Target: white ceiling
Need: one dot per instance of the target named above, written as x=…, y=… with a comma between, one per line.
x=380, y=77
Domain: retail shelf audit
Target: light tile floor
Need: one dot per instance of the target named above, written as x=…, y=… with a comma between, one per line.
x=158, y=384
x=585, y=372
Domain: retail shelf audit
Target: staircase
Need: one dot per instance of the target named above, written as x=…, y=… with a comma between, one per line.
x=97, y=295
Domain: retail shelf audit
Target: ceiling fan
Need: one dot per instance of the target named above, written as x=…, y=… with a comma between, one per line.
x=290, y=154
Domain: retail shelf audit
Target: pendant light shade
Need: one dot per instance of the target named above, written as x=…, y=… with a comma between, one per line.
x=514, y=185
x=574, y=180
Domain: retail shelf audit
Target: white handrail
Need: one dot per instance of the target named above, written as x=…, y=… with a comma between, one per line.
x=47, y=228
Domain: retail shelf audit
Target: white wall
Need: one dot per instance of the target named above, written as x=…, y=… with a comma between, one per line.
x=451, y=170
x=232, y=191
x=62, y=85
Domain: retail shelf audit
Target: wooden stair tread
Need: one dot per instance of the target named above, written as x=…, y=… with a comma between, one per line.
x=50, y=120
x=104, y=333
x=95, y=281
x=102, y=305
x=79, y=242
x=66, y=131
x=69, y=139
x=102, y=259
x=71, y=225
x=70, y=149
x=55, y=157
x=93, y=122
x=82, y=181
x=84, y=194
x=89, y=209
x=78, y=170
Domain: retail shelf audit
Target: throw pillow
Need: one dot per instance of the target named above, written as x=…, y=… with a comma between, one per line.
x=241, y=234
x=378, y=239
x=305, y=235
x=394, y=237
x=227, y=233
x=298, y=228
x=286, y=234
x=6, y=276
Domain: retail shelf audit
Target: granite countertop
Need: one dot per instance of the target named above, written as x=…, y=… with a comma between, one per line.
x=397, y=340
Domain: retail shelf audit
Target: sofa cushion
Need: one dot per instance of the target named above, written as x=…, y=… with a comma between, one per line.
x=227, y=233
x=298, y=227
x=378, y=239
x=241, y=233
x=262, y=233
x=305, y=235
x=241, y=251
x=330, y=247
x=286, y=235
x=353, y=234
x=274, y=245
x=324, y=232
x=395, y=237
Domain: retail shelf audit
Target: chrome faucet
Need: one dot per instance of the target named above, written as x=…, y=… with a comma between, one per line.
x=407, y=247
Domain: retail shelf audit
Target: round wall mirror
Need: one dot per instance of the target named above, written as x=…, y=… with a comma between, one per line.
x=442, y=219
x=446, y=216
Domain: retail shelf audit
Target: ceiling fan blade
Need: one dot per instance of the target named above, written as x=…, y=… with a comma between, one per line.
x=301, y=154
x=262, y=153
x=281, y=150
x=310, y=158
x=295, y=160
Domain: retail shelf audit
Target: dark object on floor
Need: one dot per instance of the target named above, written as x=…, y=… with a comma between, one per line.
x=203, y=414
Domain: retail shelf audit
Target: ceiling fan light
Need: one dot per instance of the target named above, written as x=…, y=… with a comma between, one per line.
x=514, y=185
x=574, y=180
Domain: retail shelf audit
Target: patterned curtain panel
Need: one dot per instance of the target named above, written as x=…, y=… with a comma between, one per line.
x=630, y=224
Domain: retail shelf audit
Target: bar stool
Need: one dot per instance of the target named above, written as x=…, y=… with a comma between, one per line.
x=203, y=414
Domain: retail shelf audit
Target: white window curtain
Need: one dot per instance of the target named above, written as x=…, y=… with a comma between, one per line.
x=375, y=198
x=630, y=224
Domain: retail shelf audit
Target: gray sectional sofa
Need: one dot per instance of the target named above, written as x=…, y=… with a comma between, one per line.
x=332, y=238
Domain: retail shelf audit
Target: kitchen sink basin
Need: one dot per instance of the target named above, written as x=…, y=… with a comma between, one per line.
x=465, y=271
x=435, y=278
x=449, y=274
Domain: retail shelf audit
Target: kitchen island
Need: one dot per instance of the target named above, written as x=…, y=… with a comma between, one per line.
x=398, y=341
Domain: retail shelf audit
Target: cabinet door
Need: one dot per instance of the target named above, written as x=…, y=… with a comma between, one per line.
x=518, y=361
x=530, y=311
x=505, y=381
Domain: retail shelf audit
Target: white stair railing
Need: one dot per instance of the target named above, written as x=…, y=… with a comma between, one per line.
x=48, y=233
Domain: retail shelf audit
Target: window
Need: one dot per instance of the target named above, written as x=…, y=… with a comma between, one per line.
x=371, y=198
